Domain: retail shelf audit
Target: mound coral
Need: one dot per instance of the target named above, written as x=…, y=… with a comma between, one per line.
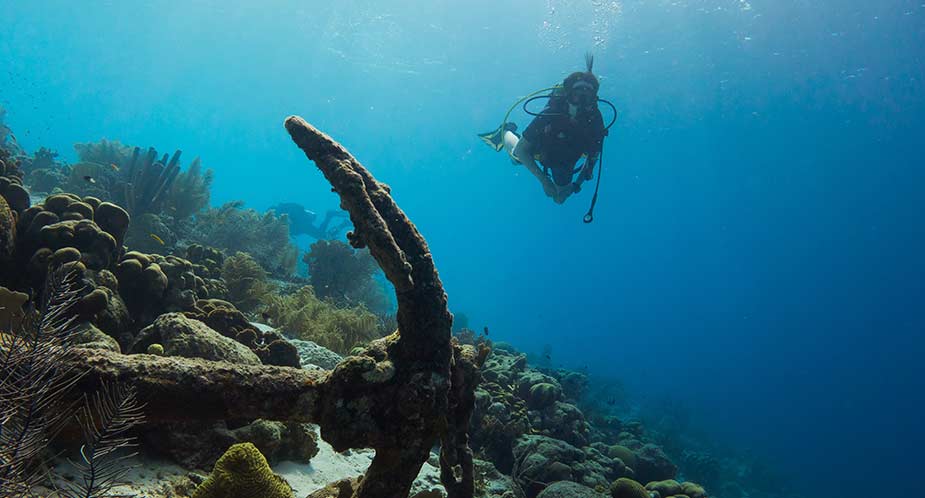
x=182, y=336
x=11, y=186
x=543, y=394
x=152, y=284
x=268, y=345
x=624, y=454
x=344, y=275
x=666, y=488
x=209, y=258
x=243, y=472
x=304, y=316
x=692, y=490
x=67, y=221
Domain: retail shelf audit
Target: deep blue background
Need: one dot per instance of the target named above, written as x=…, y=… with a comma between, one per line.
x=759, y=243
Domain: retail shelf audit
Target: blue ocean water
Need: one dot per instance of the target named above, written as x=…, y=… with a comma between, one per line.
x=757, y=252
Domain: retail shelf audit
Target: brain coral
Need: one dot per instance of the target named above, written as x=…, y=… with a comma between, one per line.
x=627, y=488
x=243, y=472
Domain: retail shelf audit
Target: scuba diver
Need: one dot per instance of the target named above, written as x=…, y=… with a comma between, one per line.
x=568, y=128
x=302, y=221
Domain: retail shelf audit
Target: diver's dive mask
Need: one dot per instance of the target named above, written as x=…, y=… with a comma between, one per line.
x=582, y=94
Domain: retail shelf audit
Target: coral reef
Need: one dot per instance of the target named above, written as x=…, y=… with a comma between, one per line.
x=11, y=189
x=105, y=152
x=404, y=392
x=153, y=190
x=541, y=460
x=243, y=472
x=146, y=181
x=11, y=312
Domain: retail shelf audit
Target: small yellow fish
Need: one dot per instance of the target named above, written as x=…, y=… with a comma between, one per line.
x=157, y=239
x=114, y=166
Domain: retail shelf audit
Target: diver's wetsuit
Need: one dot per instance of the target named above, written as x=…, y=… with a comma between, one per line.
x=560, y=140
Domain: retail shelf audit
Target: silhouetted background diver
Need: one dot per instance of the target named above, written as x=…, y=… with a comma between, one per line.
x=302, y=221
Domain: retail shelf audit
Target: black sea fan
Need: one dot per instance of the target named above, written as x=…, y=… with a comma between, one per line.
x=36, y=400
x=34, y=383
x=106, y=418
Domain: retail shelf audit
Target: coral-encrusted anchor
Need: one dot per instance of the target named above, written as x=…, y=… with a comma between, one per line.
x=401, y=395
x=407, y=389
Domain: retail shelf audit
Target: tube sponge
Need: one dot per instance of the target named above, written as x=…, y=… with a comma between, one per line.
x=243, y=472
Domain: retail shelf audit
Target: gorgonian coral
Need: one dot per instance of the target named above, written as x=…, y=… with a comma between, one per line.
x=344, y=275
x=305, y=316
x=246, y=281
x=234, y=229
x=140, y=180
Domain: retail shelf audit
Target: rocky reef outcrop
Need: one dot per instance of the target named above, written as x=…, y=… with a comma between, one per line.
x=527, y=421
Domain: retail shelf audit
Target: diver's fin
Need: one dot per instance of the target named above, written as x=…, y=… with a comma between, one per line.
x=495, y=138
